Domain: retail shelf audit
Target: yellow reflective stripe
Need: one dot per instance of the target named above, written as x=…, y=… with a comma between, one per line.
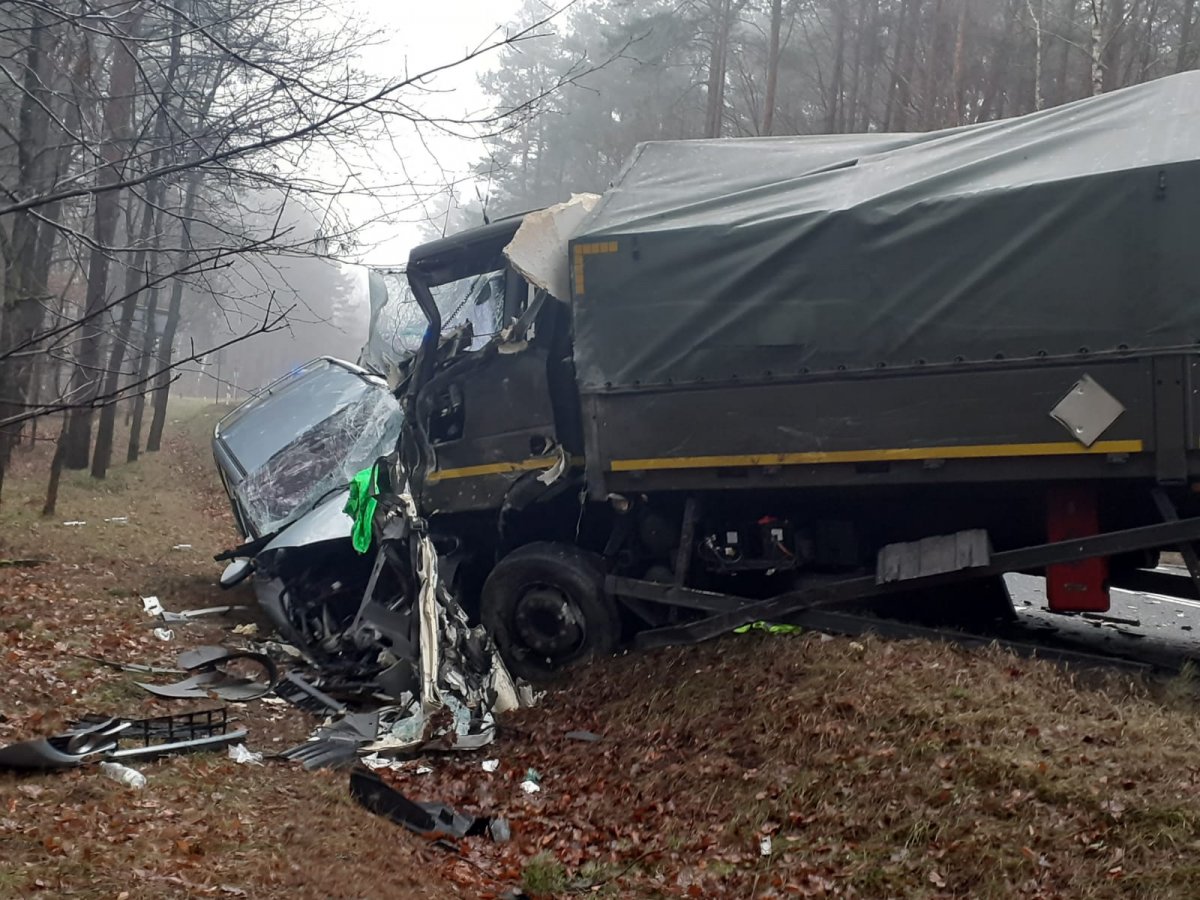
x=976, y=451
x=500, y=468
x=585, y=250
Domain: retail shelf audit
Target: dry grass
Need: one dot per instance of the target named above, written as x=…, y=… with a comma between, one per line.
x=204, y=826
x=877, y=769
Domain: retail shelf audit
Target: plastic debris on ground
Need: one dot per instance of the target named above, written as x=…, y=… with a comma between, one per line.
x=152, y=606
x=491, y=765
x=182, y=547
x=768, y=627
x=191, y=615
x=99, y=738
x=74, y=524
x=164, y=634
x=585, y=736
x=208, y=676
x=431, y=820
x=375, y=762
x=131, y=778
x=239, y=754
x=533, y=782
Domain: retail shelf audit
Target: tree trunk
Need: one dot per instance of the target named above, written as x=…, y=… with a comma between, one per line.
x=1187, y=53
x=136, y=272
x=149, y=339
x=960, y=46
x=1036, y=19
x=874, y=55
x=147, y=244
x=860, y=24
x=908, y=68
x=834, y=113
x=1139, y=65
x=772, y=66
x=1097, y=49
x=1066, y=21
x=993, y=104
x=85, y=381
x=162, y=384
x=715, y=118
x=1113, y=45
x=889, y=112
x=23, y=283
x=930, y=94
x=56, y=467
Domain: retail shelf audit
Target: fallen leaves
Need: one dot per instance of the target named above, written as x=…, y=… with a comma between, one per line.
x=821, y=768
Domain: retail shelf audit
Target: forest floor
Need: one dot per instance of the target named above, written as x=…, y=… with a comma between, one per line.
x=757, y=765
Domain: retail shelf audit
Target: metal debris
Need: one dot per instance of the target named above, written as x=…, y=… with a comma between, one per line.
x=209, y=678
x=298, y=692
x=432, y=820
x=338, y=743
x=97, y=738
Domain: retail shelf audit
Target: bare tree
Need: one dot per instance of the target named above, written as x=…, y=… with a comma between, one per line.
x=772, y=67
x=1186, y=55
x=1036, y=19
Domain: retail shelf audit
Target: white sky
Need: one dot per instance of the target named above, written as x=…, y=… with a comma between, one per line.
x=419, y=35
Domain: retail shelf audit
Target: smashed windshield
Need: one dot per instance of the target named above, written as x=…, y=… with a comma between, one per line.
x=477, y=300
x=398, y=325
x=308, y=436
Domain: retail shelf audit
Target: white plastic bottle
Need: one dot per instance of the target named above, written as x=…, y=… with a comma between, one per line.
x=131, y=778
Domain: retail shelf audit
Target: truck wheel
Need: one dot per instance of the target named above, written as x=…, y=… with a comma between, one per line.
x=546, y=608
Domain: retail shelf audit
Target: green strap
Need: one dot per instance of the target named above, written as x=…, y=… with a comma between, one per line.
x=767, y=627
x=361, y=506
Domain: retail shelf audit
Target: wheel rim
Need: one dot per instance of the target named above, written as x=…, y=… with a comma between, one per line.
x=548, y=623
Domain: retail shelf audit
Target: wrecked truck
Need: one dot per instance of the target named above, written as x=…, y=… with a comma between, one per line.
x=761, y=378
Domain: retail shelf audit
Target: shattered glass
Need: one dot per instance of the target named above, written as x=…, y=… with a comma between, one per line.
x=361, y=423
x=397, y=323
x=478, y=301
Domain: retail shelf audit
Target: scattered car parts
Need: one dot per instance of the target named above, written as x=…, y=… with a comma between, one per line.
x=210, y=678
x=96, y=739
x=431, y=820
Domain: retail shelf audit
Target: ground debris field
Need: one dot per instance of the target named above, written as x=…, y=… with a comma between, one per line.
x=759, y=765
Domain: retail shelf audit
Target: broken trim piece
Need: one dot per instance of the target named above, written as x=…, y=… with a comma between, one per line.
x=208, y=678
x=99, y=739
x=431, y=820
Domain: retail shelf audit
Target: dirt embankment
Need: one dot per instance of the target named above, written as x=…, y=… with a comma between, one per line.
x=753, y=766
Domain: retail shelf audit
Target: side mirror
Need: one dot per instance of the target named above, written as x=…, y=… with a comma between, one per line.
x=236, y=572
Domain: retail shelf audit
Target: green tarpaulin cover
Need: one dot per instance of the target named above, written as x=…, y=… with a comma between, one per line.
x=1070, y=229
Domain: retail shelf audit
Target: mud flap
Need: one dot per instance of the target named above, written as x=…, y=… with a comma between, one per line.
x=1080, y=586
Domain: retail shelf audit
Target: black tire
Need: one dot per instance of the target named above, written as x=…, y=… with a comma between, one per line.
x=545, y=606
